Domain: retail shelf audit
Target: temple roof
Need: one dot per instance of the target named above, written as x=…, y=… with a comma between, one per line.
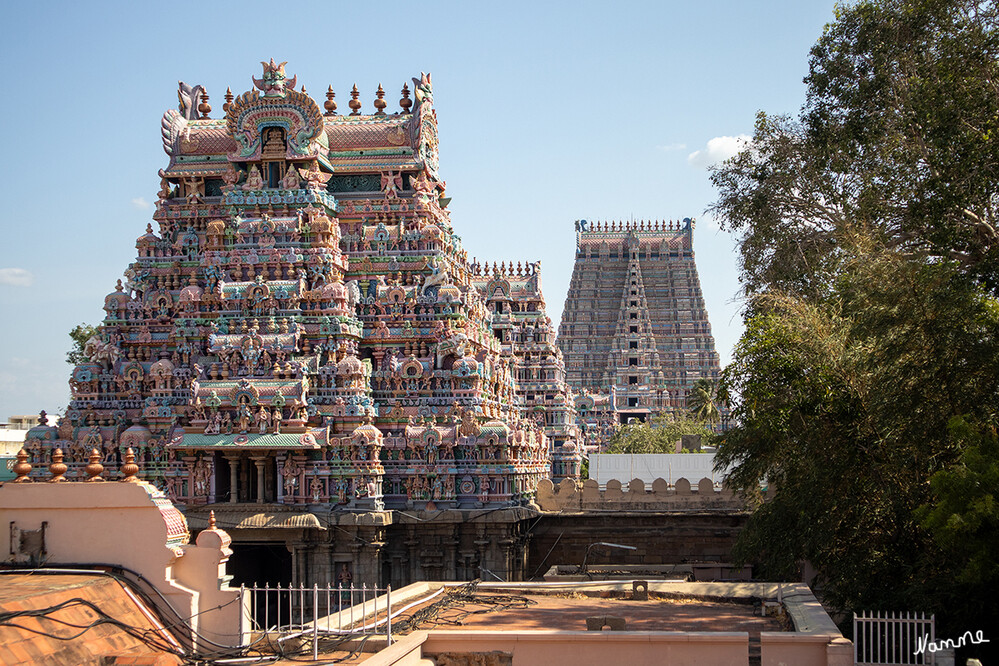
x=362, y=142
x=312, y=439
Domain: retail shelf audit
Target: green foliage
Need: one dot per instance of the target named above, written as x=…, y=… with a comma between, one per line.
x=845, y=406
x=659, y=436
x=897, y=141
x=963, y=516
x=702, y=402
x=866, y=385
x=80, y=334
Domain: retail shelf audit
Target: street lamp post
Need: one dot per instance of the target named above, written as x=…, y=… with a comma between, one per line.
x=582, y=569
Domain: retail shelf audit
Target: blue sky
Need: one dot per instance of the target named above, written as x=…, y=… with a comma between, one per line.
x=548, y=112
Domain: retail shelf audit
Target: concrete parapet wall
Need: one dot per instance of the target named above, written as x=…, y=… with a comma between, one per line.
x=702, y=495
x=582, y=648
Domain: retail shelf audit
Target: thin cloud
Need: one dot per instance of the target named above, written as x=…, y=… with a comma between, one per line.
x=672, y=147
x=140, y=203
x=718, y=150
x=16, y=277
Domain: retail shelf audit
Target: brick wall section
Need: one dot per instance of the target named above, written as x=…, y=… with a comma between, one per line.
x=102, y=644
x=660, y=538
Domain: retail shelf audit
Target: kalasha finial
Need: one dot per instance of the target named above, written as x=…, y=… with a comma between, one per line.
x=94, y=467
x=228, y=100
x=380, y=102
x=354, y=103
x=405, y=102
x=57, y=468
x=43, y=418
x=22, y=467
x=211, y=520
x=304, y=91
x=130, y=469
x=204, y=108
x=330, y=104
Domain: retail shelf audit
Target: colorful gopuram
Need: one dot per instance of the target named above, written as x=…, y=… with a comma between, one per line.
x=302, y=327
x=517, y=308
x=635, y=334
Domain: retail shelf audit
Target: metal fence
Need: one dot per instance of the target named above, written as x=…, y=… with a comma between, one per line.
x=891, y=639
x=279, y=614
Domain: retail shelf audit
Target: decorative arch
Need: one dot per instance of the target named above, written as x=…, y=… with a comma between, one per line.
x=296, y=114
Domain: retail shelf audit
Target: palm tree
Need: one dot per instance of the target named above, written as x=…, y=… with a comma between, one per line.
x=701, y=402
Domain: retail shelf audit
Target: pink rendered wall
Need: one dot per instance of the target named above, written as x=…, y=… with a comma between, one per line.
x=590, y=648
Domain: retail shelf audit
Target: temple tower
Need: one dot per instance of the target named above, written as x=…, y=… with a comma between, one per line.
x=303, y=327
x=634, y=324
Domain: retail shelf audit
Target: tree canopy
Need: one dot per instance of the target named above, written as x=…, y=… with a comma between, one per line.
x=866, y=385
x=702, y=402
x=658, y=436
x=80, y=334
x=898, y=139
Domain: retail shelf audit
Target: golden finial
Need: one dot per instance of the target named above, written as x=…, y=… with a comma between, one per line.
x=380, y=103
x=94, y=468
x=330, y=104
x=204, y=108
x=22, y=467
x=405, y=102
x=228, y=100
x=130, y=469
x=354, y=103
x=211, y=520
x=57, y=468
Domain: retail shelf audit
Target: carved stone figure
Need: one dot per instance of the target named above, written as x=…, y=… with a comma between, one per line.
x=254, y=181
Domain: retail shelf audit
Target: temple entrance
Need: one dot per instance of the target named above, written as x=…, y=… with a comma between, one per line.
x=259, y=564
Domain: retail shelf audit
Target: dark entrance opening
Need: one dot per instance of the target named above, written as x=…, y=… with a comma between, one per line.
x=223, y=490
x=260, y=564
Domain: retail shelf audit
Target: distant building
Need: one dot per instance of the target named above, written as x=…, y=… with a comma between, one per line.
x=21, y=421
x=635, y=334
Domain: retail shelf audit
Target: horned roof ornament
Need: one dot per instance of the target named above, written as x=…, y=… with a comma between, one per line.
x=274, y=82
x=423, y=89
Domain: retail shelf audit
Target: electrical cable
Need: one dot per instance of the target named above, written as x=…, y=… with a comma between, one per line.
x=169, y=625
x=145, y=636
x=449, y=610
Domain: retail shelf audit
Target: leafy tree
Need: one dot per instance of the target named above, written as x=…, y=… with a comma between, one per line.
x=80, y=334
x=659, y=436
x=897, y=140
x=964, y=516
x=866, y=385
x=702, y=402
x=845, y=406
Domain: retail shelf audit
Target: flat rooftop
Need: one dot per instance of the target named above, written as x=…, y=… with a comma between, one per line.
x=568, y=612
x=530, y=622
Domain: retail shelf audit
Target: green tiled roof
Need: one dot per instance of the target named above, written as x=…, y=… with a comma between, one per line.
x=250, y=441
